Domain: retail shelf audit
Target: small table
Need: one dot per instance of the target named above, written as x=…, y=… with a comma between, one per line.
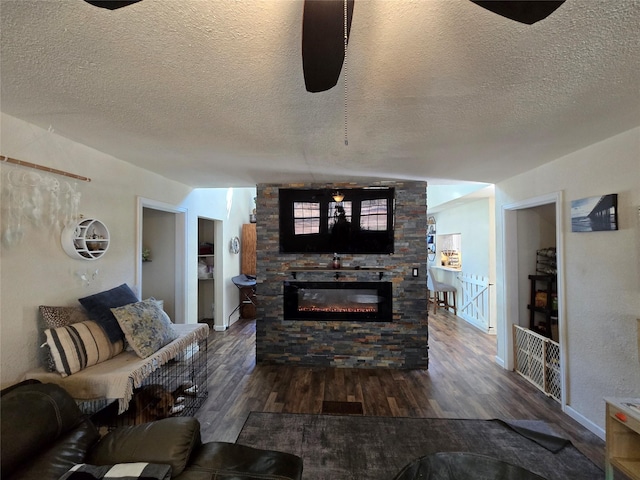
x=623, y=437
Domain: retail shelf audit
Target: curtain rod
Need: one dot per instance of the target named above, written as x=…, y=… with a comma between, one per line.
x=22, y=163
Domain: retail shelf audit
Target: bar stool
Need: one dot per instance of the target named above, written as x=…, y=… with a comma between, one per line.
x=247, y=287
x=441, y=293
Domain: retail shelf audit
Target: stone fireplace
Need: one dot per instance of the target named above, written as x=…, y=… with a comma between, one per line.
x=370, y=313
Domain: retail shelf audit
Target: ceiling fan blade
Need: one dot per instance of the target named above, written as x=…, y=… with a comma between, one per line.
x=323, y=42
x=112, y=4
x=528, y=12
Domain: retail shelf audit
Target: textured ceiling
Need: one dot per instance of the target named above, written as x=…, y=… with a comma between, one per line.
x=211, y=93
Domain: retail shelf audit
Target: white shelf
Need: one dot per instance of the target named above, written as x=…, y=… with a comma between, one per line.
x=87, y=239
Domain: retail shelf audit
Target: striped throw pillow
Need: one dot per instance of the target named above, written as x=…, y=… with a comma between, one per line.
x=80, y=345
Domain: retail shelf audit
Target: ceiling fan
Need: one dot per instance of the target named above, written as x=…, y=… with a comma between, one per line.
x=325, y=32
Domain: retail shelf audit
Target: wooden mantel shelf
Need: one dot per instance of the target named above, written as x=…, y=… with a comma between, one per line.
x=295, y=270
x=329, y=269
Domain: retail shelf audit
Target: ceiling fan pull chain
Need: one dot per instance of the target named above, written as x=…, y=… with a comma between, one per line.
x=346, y=37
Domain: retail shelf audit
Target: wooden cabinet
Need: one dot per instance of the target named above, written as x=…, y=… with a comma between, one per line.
x=623, y=437
x=248, y=267
x=248, y=249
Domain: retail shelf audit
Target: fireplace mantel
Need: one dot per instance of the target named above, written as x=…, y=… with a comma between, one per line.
x=329, y=269
x=336, y=271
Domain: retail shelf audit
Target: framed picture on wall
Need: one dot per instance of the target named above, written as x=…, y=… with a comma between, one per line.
x=594, y=214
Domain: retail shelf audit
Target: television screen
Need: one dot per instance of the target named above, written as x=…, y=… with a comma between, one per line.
x=312, y=221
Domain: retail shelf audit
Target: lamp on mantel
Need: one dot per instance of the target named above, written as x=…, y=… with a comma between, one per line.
x=337, y=196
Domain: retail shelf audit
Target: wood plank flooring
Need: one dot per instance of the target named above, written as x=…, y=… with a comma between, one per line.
x=463, y=381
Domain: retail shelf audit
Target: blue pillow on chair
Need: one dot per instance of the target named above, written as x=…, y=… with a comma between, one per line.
x=99, y=307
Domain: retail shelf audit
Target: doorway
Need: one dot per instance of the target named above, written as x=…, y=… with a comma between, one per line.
x=528, y=226
x=161, y=257
x=206, y=271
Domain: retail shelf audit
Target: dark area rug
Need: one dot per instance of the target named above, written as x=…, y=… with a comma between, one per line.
x=349, y=447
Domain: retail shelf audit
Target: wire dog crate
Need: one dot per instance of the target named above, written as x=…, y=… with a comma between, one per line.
x=177, y=388
x=537, y=359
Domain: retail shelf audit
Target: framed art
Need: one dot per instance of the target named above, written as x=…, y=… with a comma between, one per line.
x=594, y=214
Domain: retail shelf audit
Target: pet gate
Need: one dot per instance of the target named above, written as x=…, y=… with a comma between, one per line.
x=537, y=359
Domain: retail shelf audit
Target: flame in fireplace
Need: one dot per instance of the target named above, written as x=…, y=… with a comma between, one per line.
x=339, y=309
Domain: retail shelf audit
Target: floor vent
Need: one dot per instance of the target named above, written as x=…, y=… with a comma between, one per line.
x=342, y=408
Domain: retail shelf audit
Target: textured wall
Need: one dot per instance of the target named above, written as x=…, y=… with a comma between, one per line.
x=401, y=343
x=601, y=274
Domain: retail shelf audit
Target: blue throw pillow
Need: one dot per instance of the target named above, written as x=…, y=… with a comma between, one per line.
x=99, y=307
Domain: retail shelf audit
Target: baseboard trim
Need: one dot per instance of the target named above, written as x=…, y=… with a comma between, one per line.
x=585, y=422
x=476, y=324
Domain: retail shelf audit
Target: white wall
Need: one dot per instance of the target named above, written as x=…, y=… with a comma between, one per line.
x=38, y=272
x=602, y=272
x=475, y=221
x=158, y=275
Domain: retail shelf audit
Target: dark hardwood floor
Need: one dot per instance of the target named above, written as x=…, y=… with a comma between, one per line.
x=463, y=381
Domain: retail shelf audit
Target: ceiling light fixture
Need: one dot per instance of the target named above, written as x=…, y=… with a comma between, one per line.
x=338, y=196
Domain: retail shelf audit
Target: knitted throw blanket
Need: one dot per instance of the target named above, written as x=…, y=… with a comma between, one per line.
x=116, y=378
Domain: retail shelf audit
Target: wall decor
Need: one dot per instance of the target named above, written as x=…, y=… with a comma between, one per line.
x=86, y=239
x=31, y=199
x=595, y=214
x=234, y=245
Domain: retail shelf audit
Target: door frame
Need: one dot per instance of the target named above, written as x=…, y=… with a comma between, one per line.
x=180, y=285
x=510, y=276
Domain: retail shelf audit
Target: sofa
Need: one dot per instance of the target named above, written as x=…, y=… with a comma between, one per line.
x=44, y=435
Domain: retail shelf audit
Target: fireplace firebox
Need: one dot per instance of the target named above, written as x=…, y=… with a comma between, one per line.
x=353, y=301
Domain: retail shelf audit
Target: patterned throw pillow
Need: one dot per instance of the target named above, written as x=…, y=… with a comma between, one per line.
x=55, y=317
x=100, y=304
x=79, y=346
x=146, y=326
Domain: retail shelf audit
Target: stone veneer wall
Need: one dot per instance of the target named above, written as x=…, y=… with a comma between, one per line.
x=402, y=343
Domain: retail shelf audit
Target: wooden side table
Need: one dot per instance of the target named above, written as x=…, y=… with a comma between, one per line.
x=623, y=437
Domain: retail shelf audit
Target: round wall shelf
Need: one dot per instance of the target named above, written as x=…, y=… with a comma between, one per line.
x=87, y=239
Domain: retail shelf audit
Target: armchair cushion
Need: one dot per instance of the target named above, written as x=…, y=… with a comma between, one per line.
x=44, y=433
x=221, y=460
x=167, y=441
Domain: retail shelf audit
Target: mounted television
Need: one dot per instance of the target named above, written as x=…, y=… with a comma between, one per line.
x=312, y=221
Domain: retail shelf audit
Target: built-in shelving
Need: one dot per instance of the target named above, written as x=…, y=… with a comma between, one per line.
x=206, y=266
x=543, y=302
